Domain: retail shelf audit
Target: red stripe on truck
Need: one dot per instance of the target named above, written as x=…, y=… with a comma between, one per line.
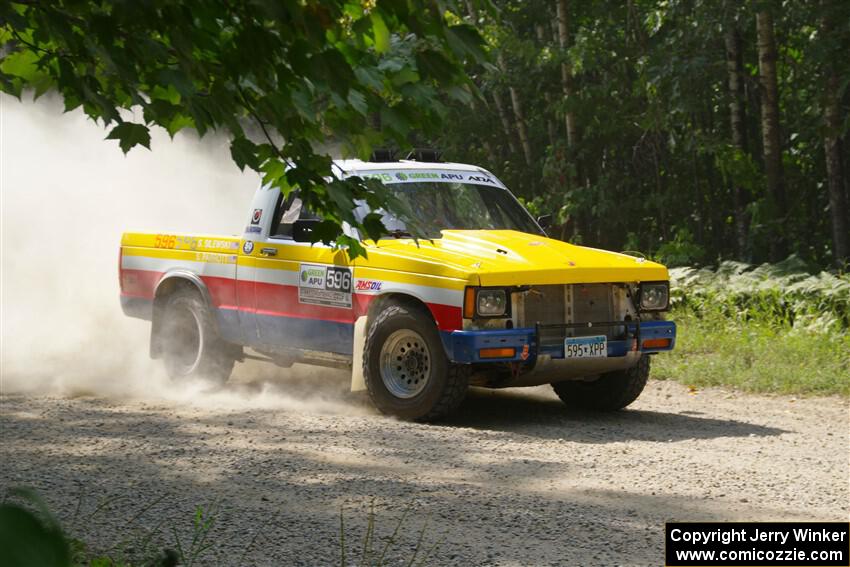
x=275, y=299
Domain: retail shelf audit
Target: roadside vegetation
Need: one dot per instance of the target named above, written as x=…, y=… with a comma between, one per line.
x=771, y=328
x=31, y=535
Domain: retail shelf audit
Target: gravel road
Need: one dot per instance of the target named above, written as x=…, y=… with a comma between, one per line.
x=514, y=479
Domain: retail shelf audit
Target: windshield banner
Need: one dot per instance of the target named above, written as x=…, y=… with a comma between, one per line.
x=431, y=176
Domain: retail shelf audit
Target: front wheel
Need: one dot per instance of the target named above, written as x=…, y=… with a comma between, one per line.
x=611, y=391
x=406, y=370
x=191, y=347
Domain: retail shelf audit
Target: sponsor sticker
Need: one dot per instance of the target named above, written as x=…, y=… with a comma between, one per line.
x=408, y=176
x=215, y=258
x=255, y=218
x=253, y=229
x=186, y=243
x=248, y=247
x=368, y=285
x=329, y=286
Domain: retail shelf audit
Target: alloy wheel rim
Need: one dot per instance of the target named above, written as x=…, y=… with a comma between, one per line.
x=405, y=363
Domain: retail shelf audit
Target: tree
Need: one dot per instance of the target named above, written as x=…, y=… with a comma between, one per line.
x=771, y=139
x=678, y=147
x=519, y=114
x=566, y=70
x=832, y=145
x=737, y=123
x=280, y=78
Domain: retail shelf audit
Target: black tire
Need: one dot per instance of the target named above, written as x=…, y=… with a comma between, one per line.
x=610, y=392
x=435, y=387
x=191, y=346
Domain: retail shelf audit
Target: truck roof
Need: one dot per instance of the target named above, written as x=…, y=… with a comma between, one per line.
x=352, y=165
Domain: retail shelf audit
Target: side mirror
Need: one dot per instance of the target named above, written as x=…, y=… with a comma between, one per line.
x=545, y=221
x=302, y=229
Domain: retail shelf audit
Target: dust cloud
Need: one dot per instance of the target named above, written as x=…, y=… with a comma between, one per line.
x=66, y=195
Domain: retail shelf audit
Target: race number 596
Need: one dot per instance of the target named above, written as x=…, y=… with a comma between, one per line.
x=338, y=279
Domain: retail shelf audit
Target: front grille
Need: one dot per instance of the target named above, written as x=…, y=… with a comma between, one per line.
x=577, y=303
x=545, y=304
x=592, y=302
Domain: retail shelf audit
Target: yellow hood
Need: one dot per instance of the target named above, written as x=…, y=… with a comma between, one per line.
x=507, y=257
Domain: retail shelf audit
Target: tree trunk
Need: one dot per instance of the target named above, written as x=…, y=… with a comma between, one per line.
x=566, y=71
x=551, y=129
x=834, y=171
x=520, y=125
x=737, y=120
x=503, y=117
x=770, y=134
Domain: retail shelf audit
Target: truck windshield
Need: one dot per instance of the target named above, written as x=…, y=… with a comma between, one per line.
x=451, y=205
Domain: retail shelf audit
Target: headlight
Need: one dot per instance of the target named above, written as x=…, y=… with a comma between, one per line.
x=654, y=296
x=486, y=302
x=491, y=302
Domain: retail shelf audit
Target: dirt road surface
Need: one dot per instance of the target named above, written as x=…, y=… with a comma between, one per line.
x=513, y=479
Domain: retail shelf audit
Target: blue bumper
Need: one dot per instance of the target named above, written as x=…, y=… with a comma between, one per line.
x=464, y=346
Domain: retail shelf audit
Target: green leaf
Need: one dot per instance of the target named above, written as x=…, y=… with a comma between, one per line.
x=358, y=101
x=178, y=122
x=274, y=172
x=369, y=77
x=178, y=80
x=380, y=32
x=435, y=65
x=465, y=40
x=130, y=135
x=20, y=64
x=244, y=153
x=30, y=539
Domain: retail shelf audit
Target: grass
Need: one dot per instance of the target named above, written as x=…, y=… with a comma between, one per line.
x=755, y=356
x=773, y=328
x=30, y=534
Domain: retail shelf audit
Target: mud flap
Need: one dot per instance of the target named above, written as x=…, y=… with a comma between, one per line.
x=358, y=382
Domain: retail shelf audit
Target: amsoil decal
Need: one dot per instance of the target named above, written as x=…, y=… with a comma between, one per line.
x=368, y=285
x=329, y=286
x=255, y=218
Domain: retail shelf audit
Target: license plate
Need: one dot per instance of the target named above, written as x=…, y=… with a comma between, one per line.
x=586, y=347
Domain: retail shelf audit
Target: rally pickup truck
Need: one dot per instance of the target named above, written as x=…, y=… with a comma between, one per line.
x=489, y=300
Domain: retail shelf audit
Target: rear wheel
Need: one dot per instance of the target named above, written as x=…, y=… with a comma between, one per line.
x=611, y=391
x=406, y=370
x=191, y=347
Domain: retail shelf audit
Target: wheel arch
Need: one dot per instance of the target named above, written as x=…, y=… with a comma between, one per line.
x=361, y=327
x=398, y=298
x=170, y=283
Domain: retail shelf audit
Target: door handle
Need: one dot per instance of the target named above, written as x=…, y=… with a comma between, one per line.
x=268, y=251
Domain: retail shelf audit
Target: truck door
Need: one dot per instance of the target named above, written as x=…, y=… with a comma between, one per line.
x=303, y=292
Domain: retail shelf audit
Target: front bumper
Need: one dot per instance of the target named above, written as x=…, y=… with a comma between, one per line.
x=464, y=347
